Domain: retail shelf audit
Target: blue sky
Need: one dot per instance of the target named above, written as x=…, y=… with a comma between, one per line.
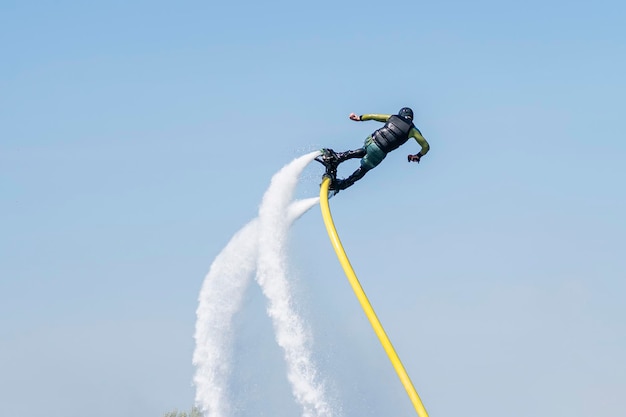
x=136, y=138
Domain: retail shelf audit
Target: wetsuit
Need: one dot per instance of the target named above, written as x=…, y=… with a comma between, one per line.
x=376, y=150
x=396, y=131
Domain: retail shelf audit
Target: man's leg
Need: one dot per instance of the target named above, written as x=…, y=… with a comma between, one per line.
x=371, y=156
x=357, y=153
x=356, y=175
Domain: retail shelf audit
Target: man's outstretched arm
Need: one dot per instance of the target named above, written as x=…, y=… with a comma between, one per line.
x=378, y=117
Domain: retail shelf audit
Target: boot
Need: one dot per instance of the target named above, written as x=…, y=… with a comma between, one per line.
x=357, y=153
x=356, y=175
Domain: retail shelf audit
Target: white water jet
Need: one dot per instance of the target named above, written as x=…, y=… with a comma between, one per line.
x=260, y=245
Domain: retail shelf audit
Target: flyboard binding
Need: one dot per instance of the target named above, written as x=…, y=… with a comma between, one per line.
x=330, y=160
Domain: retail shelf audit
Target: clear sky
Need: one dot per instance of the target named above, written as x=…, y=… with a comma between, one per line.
x=137, y=137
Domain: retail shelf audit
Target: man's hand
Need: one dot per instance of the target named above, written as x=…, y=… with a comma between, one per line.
x=414, y=158
x=355, y=117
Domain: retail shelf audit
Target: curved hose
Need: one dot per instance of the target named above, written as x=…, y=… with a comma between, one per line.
x=365, y=304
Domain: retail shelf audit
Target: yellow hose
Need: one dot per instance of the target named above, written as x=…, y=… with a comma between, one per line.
x=365, y=304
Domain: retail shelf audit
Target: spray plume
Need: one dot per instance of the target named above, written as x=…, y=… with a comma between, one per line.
x=260, y=246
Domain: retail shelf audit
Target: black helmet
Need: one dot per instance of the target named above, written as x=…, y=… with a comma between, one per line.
x=406, y=113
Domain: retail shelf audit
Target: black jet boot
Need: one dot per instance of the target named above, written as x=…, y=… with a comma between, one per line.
x=357, y=153
x=356, y=175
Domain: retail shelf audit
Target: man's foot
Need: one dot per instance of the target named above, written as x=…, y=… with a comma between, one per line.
x=338, y=185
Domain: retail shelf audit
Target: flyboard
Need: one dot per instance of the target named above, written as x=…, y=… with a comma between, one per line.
x=329, y=177
x=330, y=160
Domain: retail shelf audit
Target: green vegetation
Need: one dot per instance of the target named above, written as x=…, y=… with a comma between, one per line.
x=195, y=412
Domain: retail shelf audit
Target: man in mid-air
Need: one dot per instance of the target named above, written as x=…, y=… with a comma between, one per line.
x=397, y=130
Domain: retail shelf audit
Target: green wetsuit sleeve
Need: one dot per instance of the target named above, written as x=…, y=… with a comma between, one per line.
x=378, y=117
x=417, y=135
